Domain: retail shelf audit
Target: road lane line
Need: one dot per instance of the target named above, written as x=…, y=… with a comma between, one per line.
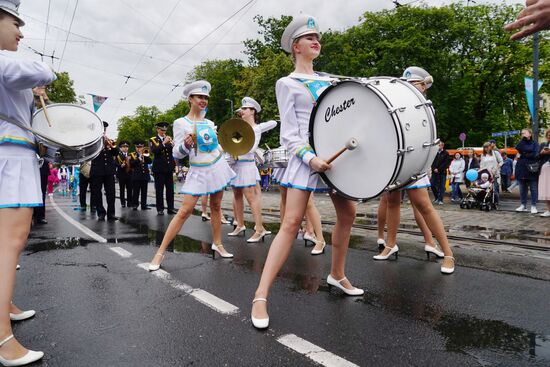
x=79, y=226
x=165, y=276
x=214, y=302
x=313, y=352
x=121, y=252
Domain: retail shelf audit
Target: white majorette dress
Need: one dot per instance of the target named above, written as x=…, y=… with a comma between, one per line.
x=209, y=172
x=245, y=165
x=296, y=95
x=19, y=174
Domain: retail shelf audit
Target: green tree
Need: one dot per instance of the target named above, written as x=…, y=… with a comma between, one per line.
x=140, y=126
x=62, y=90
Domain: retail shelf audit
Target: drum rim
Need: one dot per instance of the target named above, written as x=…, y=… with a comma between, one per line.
x=399, y=161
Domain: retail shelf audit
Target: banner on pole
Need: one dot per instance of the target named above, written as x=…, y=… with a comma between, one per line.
x=529, y=94
x=98, y=101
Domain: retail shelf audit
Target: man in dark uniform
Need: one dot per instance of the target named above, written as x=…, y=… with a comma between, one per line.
x=39, y=212
x=440, y=165
x=163, y=168
x=139, y=161
x=102, y=174
x=83, y=183
x=124, y=174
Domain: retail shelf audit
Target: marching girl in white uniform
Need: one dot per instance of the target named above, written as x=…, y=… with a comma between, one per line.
x=247, y=174
x=296, y=95
x=209, y=173
x=19, y=175
x=426, y=216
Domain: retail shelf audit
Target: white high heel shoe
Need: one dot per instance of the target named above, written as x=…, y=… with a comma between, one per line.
x=18, y=267
x=393, y=250
x=338, y=284
x=224, y=220
x=225, y=254
x=259, y=323
x=309, y=238
x=153, y=267
x=237, y=231
x=22, y=316
x=321, y=251
x=433, y=250
x=261, y=237
x=446, y=270
x=28, y=358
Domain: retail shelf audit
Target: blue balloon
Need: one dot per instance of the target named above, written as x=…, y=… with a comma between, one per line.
x=471, y=174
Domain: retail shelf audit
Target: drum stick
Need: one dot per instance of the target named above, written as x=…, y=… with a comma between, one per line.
x=45, y=111
x=350, y=145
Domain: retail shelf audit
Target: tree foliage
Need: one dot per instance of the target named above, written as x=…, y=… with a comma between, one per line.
x=62, y=90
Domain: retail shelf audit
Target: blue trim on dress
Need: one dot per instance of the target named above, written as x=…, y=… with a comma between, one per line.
x=18, y=142
x=419, y=187
x=310, y=189
x=21, y=206
x=245, y=186
x=208, y=193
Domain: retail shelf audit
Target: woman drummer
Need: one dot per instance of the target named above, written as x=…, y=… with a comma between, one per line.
x=209, y=173
x=19, y=174
x=426, y=216
x=248, y=176
x=296, y=95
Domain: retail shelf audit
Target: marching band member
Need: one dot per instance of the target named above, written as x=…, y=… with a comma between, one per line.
x=296, y=95
x=102, y=175
x=19, y=175
x=209, y=174
x=163, y=168
x=247, y=174
x=124, y=174
x=139, y=163
x=426, y=216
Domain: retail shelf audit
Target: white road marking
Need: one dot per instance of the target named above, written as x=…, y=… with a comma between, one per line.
x=214, y=302
x=121, y=252
x=165, y=276
x=313, y=352
x=79, y=226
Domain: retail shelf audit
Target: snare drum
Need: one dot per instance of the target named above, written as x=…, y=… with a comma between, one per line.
x=276, y=158
x=79, y=129
x=394, y=126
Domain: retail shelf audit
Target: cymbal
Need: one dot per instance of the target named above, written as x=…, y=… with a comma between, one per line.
x=236, y=137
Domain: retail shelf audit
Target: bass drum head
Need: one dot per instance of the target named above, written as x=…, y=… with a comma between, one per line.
x=72, y=125
x=346, y=110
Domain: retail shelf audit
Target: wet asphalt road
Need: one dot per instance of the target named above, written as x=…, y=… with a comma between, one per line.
x=96, y=308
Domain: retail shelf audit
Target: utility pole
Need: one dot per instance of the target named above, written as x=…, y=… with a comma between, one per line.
x=536, y=86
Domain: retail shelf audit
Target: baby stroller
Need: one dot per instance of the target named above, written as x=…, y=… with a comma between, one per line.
x=480, y=194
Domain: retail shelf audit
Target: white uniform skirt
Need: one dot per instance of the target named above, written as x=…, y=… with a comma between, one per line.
x=277, y=175
x=19, y=177
x=421, y=183
x=298, y=175
x=206, y=180
x=247, y=174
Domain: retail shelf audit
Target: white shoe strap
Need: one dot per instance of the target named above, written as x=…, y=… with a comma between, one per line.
x=259, y=299
x=6, y=340
x=341, y=280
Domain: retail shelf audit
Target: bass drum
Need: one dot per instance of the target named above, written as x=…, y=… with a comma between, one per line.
x=78, y=129
x=394, y=127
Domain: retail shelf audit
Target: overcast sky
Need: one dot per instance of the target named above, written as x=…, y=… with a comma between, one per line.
x=111, y=39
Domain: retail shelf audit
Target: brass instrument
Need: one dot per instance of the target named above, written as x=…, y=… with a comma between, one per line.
x=167, y=140
x=110, y=143
x=236, y=137
x=145, y=152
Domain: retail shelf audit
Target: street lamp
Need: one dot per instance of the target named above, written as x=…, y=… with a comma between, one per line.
x=231, y=107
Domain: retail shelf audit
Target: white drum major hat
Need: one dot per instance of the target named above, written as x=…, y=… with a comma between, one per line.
x=200, y=87
x=12, y=7
x=417, y=74
x=300, y=26
x=251, y=102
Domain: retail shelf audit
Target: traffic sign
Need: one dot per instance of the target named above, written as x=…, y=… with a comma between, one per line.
x=506, y=133
x=462, y=137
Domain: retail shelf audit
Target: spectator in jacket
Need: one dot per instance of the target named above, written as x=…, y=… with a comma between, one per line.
x=527, y=178
x=470, y=162
x=439, y=173
x=506, y=171
x=456, y=170
x=544, y=178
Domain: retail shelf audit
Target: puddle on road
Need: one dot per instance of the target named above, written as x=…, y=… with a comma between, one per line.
x=465, y=333
x=57, y=244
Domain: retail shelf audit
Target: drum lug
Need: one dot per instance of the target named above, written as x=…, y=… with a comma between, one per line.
x=393, y=186
x=401, y=152
x=394, y=110
x=427, y=144
x=427, y=104
x=375, y=82
x=394, y=80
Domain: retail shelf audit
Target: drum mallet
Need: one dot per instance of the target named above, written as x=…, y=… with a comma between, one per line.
x=45, y=111
x=350, y=145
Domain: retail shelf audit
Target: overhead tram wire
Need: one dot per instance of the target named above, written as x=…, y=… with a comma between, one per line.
x=142, y=43
x=62, y=22
x=92, y=40
x=46, y=29
x=192, y=47
x=68, y=34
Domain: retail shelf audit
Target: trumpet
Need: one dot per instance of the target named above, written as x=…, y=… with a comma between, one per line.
x=110, y=143
x=167, y=140
x=146, y=152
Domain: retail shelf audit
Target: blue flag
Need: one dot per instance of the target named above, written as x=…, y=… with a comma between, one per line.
x=529, y=93
x=98, y=101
